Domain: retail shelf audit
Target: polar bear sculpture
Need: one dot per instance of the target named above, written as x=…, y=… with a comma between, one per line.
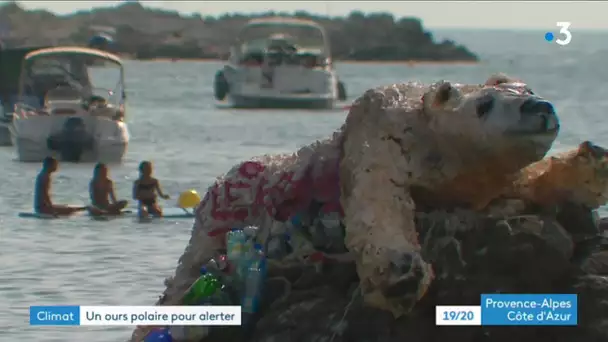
x=403, y=147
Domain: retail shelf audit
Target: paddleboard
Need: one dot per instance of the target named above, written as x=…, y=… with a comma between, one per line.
x=168, y=213
x=41, y=216
x=110, y=217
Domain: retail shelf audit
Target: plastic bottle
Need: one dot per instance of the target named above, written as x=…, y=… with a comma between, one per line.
x=203, y=288
x=239, y=244
x=296, y=221
x=298, y=241
x=288, y=245
x=254, y=280
x=317, y=235
x=251, y=232
x=333, y=231
x=332, y=224
x=219, y=264
x=236, y=241
x=159, y=335
x=276, y=247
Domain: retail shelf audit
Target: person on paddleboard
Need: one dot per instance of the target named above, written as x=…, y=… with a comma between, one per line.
x=145, y=189
x=42, y=192
x=101, y=191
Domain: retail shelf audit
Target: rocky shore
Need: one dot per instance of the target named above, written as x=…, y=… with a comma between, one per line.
x=146, y=33
x=494, y=256
x=559, y=253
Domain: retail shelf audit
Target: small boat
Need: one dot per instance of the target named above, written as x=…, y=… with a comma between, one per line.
x=10, y=68
x=71, y=105
x=280, y=63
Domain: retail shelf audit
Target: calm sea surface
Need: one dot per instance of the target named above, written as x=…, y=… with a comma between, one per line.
x=175, y=122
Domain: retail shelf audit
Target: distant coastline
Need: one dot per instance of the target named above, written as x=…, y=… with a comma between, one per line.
x=370, y=62
x=145, y=33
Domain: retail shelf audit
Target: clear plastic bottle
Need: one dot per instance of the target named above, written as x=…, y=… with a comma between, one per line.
x=278, y=246
x=333, y=231
x=332, y=223
x=251, y=232
x=236, y=241
x=224, y=270
x=239, y=244
x=254, y=280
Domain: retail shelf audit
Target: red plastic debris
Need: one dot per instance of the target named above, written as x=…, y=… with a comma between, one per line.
x=316, y=257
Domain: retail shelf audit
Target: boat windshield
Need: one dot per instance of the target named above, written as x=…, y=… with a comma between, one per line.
x=106, y=81
x=302, y=36
x=72, y=76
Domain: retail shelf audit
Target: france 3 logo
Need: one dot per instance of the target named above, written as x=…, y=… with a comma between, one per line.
x=565, y=36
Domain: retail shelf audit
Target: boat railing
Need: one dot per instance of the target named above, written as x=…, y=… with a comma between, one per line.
x=274, y=59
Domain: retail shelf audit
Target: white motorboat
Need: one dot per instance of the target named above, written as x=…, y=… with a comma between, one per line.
x=10, y=68
x=70, y=106
x=5, y=134
x=280, y=63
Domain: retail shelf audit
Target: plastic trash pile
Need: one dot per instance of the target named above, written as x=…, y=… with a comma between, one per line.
x=236, y=275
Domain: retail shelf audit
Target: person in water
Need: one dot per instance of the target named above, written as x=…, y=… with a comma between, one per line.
x=101, y=191
x=145, y=189
x=42, y=193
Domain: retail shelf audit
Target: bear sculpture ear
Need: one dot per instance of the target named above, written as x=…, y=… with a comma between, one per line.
x=440, y=95
x=497, y=79
x=589, y=149
x=584, y=148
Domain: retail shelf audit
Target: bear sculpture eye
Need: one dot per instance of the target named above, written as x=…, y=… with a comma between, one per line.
x=484, y=106
x=530, y=91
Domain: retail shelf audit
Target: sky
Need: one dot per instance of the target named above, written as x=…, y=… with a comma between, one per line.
x=456, y=14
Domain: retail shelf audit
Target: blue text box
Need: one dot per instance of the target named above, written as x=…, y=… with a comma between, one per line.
x=529, y=309
x=54, y=315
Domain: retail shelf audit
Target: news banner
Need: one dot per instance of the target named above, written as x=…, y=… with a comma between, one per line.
x=495, y=309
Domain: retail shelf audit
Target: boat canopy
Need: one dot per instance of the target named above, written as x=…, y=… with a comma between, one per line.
x=73, y=51
x=82, y=70
x=303, y=34
x=283, y=21
x=11, y=61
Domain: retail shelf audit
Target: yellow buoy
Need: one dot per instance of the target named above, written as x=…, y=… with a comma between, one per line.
x=188, y=199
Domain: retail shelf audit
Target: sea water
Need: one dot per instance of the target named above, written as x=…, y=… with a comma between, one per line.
x=88, y=262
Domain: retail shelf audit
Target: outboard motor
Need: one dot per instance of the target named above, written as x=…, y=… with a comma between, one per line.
x=72, y=140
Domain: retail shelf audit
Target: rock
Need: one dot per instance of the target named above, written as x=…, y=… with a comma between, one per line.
x=596, y=263
x=576, y=176
x=539, y=247
x=603, y=225
x=585, y=228
x=592, y=292
x=320, y=313
x=579, y=219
